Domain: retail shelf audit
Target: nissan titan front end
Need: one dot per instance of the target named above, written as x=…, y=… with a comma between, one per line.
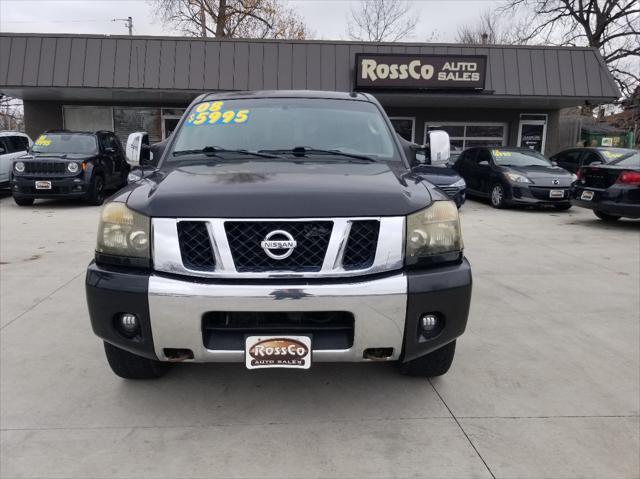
x=247, y=245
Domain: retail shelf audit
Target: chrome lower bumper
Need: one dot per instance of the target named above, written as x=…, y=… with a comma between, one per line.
x=379, y=307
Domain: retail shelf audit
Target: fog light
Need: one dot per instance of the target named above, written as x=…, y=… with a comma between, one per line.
x=129, y=323
x=429, y=323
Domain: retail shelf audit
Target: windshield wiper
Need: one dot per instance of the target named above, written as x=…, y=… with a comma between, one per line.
x=216, y=150
x=308, y=150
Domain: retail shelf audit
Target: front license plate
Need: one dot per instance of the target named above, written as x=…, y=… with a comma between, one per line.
x=277, y=352
x=587, y=195
x=43, y=185
x=556, y=194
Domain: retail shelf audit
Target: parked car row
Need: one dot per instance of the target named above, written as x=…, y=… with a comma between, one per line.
x=85, y=165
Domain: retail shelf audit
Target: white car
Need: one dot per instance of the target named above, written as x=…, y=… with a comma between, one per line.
x=13, y=144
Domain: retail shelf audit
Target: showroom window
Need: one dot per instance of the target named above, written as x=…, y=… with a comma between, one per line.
x=404, y=126
x=467, y=135
x=170, y=119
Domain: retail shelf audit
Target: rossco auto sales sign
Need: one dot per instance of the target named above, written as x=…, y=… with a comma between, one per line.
x=416, y=72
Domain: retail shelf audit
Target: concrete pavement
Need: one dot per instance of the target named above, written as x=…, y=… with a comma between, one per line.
x=546, y=381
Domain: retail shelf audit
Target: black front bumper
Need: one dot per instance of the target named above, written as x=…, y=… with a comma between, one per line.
x=61, y=187
x=523, y=194
x=444, y=291
x=617, y=200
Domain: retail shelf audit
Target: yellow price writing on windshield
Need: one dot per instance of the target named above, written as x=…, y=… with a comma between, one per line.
x=498, y=153
x=211, y=113
x=209, y=106
x=43, y=141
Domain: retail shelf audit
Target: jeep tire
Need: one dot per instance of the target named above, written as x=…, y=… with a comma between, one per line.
x=131, y=366
x=436, y=363
x=606, y=217
x=23, y=201
x=563, y=207
x=96, y=191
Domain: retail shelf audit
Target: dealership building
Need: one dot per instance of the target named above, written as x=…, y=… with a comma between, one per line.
x=480, y=94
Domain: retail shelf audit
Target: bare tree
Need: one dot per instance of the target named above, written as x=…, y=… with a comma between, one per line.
x=612, y=26
x=490, y=29
x=232, y=18
x=11, y=116
x=382, y=21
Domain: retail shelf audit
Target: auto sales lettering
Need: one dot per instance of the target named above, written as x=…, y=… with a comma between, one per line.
x=420, y=71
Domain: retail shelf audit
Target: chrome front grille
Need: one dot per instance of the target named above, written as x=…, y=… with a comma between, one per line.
x=195, y=246
x=243, y=248
x=245, y=238
x=361, y=245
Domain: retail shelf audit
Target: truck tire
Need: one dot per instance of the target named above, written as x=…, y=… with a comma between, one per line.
x=435, y=363
x=130, y=366
x=96, y=191
x=497, y=196
x=606, y=217
x=23, y=201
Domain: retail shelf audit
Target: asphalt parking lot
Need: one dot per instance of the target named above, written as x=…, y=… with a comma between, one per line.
x=546, y=381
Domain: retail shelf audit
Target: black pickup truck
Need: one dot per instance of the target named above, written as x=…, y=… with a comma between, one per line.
x=71, y=165
x=280, y=229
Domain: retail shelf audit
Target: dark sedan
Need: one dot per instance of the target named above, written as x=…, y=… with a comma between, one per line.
x=445, y=178
x=441, y=175
x=514, y=176
x=612, y=191
x=575, y=158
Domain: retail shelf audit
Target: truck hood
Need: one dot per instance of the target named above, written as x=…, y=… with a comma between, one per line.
x=279, y=189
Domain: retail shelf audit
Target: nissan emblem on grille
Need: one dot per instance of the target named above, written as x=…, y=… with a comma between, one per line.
x=273, y=242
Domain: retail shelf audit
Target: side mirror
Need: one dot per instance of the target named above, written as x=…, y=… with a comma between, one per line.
x=420, y=154
x=554, y=162
x=2, y=150
x=136, y=152
x=439, y=147
x=135, y=175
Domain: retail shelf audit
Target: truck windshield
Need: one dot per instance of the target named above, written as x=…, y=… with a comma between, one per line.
x=519, y=158
x=65, y=143
x=283, y=124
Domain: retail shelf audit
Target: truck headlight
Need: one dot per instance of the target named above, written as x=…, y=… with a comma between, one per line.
x=434, y=232
x=73, y=167
x=19, y=166
x=123, y=232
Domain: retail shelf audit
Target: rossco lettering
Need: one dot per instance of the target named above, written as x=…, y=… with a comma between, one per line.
x=372, y=70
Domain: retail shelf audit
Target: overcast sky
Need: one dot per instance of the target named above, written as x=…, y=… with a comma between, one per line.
x=327, y=18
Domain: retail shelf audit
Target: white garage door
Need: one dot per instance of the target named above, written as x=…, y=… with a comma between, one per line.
x=88, y=118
